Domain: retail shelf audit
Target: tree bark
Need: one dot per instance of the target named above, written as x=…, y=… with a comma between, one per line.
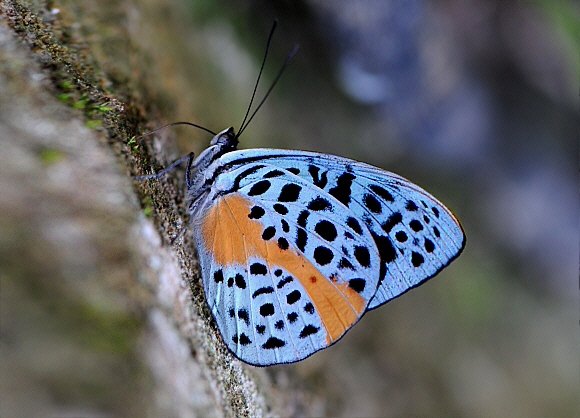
x=99, y=314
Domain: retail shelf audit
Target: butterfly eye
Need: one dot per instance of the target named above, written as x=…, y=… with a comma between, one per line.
x=226, y=139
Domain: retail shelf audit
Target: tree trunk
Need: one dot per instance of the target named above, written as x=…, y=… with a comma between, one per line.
x=99, y=313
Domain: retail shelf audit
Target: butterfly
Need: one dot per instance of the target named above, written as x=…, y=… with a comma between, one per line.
x=296, y=246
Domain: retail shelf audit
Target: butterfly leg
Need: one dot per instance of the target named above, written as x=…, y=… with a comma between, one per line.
x=188, y=180
x=188, y=157
x=181, y=230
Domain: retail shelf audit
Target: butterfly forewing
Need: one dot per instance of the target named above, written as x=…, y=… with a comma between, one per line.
x=414, y=233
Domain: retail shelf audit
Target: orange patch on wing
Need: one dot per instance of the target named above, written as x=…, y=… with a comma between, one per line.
x=233, y=236
x=230, y=233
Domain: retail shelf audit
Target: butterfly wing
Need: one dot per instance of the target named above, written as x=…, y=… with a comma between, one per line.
x=287, y=267
x=415, y=234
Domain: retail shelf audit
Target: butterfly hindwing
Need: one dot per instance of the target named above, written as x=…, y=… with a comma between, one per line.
x=269, y=318
x=288, y=268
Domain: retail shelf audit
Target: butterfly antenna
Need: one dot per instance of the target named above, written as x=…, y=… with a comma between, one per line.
x=286, y=62
x=260, y=72
x=173, y=124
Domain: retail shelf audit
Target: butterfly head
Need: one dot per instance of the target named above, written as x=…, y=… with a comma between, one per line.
x=207, y=163
x=223, y=142
x=226, y=140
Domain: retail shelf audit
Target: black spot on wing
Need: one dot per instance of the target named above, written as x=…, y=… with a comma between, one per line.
x=382, y=192
x=263, y=290
x=240, y=282
x=386, y=252
x=281, y=209
x=326, y=230
x=218, y=276
x=362, y=255
x=417, y=259
x=268, y=233
x=256, y=212
x=293, y=297
x=323, y=255
x=411, y=206
x=285, y=226
x=345, y=264
x=301, y=239
x=429, y=246
x=416, y=225
x=358, y=285
x=243, y=340
x=319, y=203
x=273, y=173
x=258, y=268
x=267, y=309
x=259, y=188
x=308, y=330
x=319, y=181
x=283, y=243
x=243, y=174
x=401, y=236
x=272, y=343
x=354, y=225
x=342, y=189
x=289, y=193
x=243, y=315
x=372, y=204
x=303, y=218
x=284, y=281
x=391, y=221
x=385, y=246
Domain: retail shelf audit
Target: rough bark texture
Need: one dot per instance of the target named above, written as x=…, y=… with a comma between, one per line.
x=100, y=315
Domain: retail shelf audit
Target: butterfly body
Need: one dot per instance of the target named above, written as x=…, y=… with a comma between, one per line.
x=296, y=246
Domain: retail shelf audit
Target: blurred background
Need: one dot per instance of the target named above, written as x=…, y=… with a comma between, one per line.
x=475, y=101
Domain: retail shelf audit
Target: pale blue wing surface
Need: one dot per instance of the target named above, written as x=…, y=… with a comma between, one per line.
x=263, y=312
x=415, y=234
